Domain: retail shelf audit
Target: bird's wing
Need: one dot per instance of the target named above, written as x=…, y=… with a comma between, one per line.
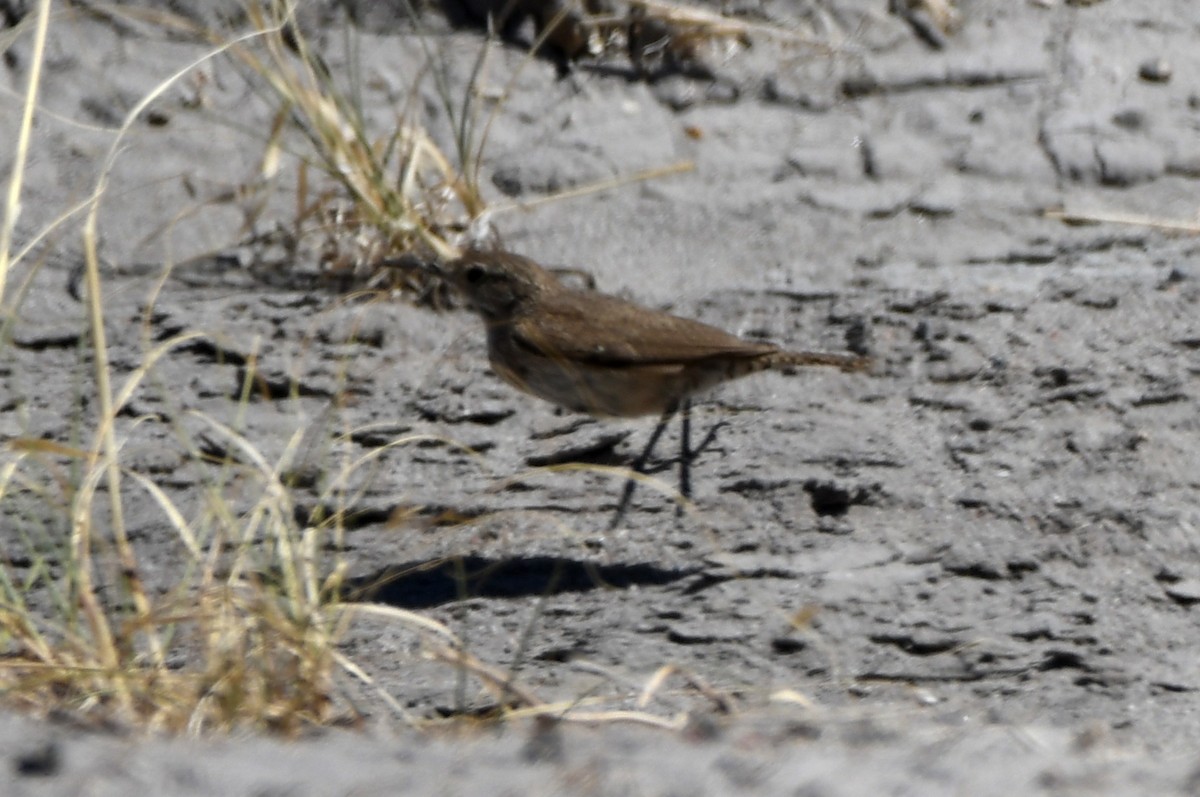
x=605, y=330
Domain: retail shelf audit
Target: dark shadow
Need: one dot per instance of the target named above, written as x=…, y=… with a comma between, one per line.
x=562, y=31
x=424, y=585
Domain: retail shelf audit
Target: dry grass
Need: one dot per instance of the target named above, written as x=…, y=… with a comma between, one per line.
x=395, y=193
x=248, y=633
x=1184, y=226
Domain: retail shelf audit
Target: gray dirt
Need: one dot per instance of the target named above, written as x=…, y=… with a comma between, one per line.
x=971, y=571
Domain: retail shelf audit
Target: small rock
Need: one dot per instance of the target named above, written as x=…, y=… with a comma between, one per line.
x=1131, y=119
x=940, y=199
x=1124, y=163
x=43, y=759
x=708, y=632
x=1186, y=591
x=842, y=162
x=889, y=156
x=1155, y=70
x=591, y=446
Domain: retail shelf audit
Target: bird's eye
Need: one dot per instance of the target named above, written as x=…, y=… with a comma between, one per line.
x=475, y=274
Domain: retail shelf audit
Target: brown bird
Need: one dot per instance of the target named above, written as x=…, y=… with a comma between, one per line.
x=595, y=353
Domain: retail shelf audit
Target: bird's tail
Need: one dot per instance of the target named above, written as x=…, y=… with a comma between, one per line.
x=788, y=360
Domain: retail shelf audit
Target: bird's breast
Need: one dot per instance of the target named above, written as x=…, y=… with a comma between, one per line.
x=597, y=389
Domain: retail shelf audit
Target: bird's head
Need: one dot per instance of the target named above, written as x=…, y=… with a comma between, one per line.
x=497, y=284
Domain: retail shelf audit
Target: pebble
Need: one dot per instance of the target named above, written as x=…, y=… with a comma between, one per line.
x=1186, y=591
x=1155, y=70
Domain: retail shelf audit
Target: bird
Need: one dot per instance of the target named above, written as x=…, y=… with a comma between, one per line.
x=592, y=352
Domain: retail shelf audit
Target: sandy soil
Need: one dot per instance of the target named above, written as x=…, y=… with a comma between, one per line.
x=995, y=533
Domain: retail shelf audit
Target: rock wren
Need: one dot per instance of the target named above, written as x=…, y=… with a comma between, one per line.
x=595, y=353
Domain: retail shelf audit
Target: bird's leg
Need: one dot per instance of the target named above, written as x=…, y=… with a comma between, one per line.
x=640, y=464
x=685, y=453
